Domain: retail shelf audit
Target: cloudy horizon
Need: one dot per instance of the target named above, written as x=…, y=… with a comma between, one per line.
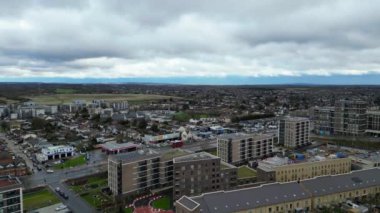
x=179, y=39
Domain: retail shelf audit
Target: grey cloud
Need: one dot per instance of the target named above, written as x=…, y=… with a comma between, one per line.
x=187, y=37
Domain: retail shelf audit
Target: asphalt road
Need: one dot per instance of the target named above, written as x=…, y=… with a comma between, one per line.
x=58, y=178
x=96, y=164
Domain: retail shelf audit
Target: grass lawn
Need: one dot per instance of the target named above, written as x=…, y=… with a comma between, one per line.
x=91, y=191
x=246, y=172
x=39, y=199
x=73, y=162
x=68, y=98
x=213, y=152
x=162, y=203
x=92, y=183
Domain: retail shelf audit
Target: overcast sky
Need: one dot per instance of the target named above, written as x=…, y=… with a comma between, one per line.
x=180, y=38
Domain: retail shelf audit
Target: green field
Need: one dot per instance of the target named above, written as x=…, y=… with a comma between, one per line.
x=39, y=199
x=69, y=98
x=73, y=162
x=245, y=172
x=4, y=100
x=65, y=91
x=162, y=203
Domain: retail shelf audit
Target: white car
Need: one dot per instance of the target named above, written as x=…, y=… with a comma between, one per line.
x=50, y=171
x=61, y=207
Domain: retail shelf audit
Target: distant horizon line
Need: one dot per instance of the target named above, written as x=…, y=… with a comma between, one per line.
x=308, y=80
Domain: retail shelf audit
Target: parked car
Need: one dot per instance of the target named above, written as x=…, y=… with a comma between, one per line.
x=61, y=207
x=50, y=171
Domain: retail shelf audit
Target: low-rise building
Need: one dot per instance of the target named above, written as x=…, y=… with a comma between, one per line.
x=238, y=148
x=10, y=195
x=115, y=148
x=303, y=196
x=284, y=169
x=11, y=165
x=365, y=160
x=162, y=138
x=55, y=152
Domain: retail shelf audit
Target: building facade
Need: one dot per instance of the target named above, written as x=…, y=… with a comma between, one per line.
x=201, y=172
x=350, y=117
x=10, y=195
x=294, y=132
x=284, y=170
x=186, y=173
x=373, y=122
x=240, y=148
x=305, y=196
x=55, y=152
x=324, y=120
x=141, y=171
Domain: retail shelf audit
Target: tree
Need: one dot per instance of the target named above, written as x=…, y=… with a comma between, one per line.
x=84, y=113
x=5, y=126
x=154, y=128
x=141, y=123
x=185, y=107
x=38, y=123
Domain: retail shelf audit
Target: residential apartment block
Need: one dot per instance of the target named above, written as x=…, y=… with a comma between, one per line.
x=350, y=117
x=285, y=170
x=141, y=171
x=294, y=131
x=10, y=195
x=373, y=122
x=187, y=173
x=201, y=172
x=238, y=148
x=303, y=196
x=324, y=120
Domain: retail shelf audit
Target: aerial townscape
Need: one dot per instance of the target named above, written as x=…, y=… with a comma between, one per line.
x=166, y=148
x=189, y=106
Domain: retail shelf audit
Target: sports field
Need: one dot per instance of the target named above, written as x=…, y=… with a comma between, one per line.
x=54, y=99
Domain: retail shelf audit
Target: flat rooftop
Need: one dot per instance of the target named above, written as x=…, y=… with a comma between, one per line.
x=112, y=145
x=134, y=156
x=273, y=162
x=372, y=156
x=296, y=119
x=241, y=136
x=195, y=156
x=272, y=194
x=148, y=154
x=173, y=153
